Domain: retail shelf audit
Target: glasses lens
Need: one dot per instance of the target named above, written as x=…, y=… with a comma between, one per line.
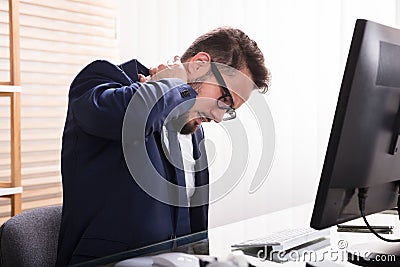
x=225, y=102
x=229, y=115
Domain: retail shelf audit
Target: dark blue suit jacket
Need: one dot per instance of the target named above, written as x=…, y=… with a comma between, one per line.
x=104, y=209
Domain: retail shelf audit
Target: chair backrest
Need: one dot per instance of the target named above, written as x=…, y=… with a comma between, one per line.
x=30, y=238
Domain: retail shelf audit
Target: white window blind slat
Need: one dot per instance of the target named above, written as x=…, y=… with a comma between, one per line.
x=63, y=15
x=89, y=9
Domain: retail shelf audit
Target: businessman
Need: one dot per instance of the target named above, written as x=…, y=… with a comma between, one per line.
x=105, y=209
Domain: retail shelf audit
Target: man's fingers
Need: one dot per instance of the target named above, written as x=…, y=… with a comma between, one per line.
x=161, y=67
x=142, y=78
x=152, y=70
x=172, y=69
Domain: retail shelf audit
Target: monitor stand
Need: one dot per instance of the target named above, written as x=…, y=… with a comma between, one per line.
x=379, y=253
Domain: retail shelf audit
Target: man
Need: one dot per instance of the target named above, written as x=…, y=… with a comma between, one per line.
x=114, y=110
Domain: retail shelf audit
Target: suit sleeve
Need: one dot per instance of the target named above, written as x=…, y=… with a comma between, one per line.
x=99, y=104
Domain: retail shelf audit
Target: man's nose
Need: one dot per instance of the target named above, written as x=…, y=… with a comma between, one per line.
x=218, y=114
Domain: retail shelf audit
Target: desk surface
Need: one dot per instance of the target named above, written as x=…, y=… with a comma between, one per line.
x=221, y=238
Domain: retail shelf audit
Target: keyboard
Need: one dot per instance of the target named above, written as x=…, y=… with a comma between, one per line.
x=285, y=239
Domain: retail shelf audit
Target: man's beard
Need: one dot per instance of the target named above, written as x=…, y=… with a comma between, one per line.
x=190, y=127
x=183, y=125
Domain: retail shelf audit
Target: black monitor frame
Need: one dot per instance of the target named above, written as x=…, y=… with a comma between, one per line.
x=363, y=146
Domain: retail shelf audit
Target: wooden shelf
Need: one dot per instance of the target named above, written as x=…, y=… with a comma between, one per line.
x=10, y=191
x=10, y=89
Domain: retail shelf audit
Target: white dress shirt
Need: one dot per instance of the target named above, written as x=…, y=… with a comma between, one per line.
x=186, y=144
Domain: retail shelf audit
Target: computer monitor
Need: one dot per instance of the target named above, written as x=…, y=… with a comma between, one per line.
x=363, y=153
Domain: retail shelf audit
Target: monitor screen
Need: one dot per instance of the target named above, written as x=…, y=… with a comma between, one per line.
x=363, y=145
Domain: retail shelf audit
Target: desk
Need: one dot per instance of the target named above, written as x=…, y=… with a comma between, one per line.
x=221, y=238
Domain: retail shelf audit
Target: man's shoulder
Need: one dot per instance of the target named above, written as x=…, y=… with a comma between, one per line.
x=99, y=66
x=103, y=70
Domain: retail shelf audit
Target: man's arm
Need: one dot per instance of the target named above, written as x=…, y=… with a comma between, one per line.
x=99, y=102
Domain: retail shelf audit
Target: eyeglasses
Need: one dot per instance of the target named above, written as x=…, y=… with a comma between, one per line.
x=225, y=101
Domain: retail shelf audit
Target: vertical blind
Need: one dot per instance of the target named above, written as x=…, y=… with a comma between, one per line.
x=58, y=38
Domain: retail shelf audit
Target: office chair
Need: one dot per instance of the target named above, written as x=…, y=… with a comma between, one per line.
x=30, y=238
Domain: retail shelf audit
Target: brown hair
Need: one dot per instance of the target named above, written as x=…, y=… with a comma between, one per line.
x=234, y=48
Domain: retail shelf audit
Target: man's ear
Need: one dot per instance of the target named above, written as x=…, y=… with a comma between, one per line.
x=199, y=64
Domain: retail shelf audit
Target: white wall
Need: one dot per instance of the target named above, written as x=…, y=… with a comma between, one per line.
x=305, y=44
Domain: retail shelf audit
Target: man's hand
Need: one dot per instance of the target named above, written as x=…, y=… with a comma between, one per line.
x=173, y=69
x=143, y=78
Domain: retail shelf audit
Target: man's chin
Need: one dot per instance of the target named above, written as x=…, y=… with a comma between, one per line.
x=190, y=127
